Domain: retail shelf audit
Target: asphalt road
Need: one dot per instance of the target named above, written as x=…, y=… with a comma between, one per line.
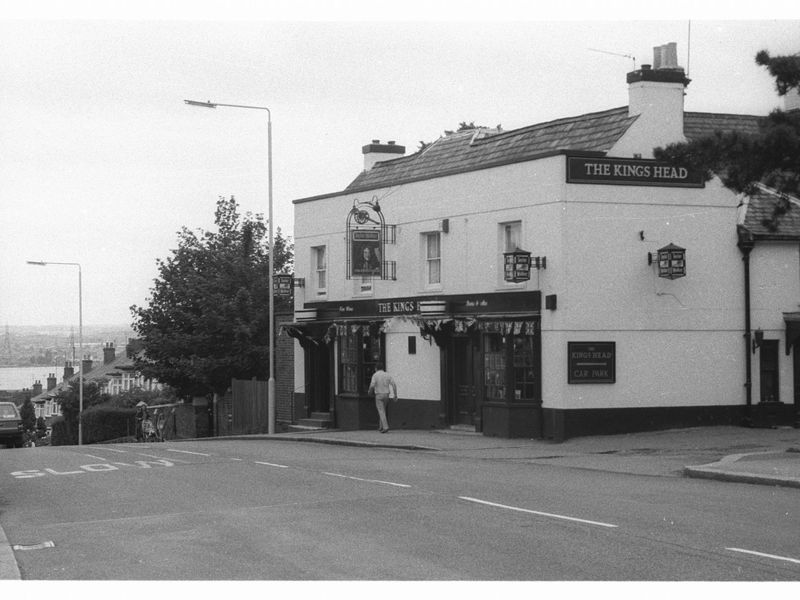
x=271, y=510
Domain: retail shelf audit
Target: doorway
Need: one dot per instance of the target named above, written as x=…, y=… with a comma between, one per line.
x=770, y=390
x=464, y=378
x=318, y=379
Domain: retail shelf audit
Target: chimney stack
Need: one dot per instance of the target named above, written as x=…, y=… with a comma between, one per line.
x=69, y=371
x=376, y=152
x=86, y=364
x=51, y=381
x=109, y=353
x=37, y=388
x=655, y=95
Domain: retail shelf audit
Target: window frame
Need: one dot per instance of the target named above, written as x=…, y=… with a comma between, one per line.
x=320, y=271
x=429, y=260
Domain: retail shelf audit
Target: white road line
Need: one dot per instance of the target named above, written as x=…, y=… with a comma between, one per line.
x=162, y=458
x=186, y=452
x=41, y=546
x=97, y=457
x=110, y=449
x=786, y=558
x=271, y=465
x=536, y=512
x=402, y=485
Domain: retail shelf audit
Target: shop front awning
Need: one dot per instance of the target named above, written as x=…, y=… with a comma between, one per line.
x=792, y=320
x=310, y=335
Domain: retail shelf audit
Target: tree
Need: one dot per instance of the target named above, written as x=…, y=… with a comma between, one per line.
x=771, y=157
x=28, y=414
x=207, y=318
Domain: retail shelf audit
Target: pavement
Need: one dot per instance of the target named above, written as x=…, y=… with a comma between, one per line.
x=737, y=454
x=768, y=456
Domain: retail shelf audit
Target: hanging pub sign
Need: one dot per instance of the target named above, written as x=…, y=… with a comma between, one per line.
x=517, y=265
x=365, y=252
x=671, y=262
x=282, y=285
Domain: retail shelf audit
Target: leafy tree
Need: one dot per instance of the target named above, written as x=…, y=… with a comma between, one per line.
x=207, y=318
x=28, y=414
x=772, y=156
x=130, y=398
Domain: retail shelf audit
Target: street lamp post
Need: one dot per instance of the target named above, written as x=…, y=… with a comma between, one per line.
x=271, y=381
x=42, y=263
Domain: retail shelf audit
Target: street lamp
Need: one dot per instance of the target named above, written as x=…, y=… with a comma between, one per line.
x=42, y=263
x=271, y=381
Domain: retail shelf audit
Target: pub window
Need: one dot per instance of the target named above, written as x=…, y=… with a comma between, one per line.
x=509, y=368
x=433, y=259
x=320, y=270
x=359, y=351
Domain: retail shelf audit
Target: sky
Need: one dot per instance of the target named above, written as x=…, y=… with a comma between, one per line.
x=102, y=162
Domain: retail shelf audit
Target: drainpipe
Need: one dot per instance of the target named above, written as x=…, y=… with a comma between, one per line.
x=746, y=245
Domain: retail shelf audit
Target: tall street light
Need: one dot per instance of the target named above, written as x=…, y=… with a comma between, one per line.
x=42, y=263
x=271, y=381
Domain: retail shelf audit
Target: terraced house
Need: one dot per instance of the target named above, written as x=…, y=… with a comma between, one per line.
x=551, y=281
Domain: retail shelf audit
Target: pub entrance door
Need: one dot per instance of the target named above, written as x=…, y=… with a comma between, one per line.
x=319, y=379
x=464, y=380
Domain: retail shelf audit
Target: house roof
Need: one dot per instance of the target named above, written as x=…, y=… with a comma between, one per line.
x=697, y=125
x=120, y=363
x=770, y=215
x=481, y=149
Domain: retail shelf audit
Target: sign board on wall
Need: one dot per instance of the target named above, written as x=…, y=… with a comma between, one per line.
x=630, y=171
x=591, y=362
x=365, y=252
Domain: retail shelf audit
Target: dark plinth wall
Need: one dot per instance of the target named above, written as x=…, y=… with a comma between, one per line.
x=359, y=412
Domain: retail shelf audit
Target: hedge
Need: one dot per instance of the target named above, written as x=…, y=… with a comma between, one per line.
x=100, y=424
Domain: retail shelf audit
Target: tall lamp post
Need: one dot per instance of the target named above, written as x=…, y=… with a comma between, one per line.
x=42, y=263
x=271, y=381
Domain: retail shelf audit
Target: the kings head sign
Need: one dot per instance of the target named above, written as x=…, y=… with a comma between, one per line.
x=630, y=171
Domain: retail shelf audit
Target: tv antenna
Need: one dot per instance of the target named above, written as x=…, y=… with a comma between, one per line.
x=633, y=58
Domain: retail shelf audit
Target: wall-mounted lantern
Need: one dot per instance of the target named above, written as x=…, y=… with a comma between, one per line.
x=517, y=265
x=671, y=261
x=758, y=339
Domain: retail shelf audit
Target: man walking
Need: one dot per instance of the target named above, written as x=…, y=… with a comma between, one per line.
x=379, y=386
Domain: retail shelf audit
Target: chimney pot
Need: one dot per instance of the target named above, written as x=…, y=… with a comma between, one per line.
x=376, y=141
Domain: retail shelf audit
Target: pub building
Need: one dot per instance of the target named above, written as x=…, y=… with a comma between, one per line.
x=551, y=281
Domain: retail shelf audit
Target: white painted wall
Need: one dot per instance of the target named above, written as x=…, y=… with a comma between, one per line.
x=679, y=342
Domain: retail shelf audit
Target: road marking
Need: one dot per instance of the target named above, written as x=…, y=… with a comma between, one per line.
x=272, y=465
x=402, y=485
x=111, y=449
x=97, y=457
x=186, y=452
x=186, y=462
x=41, y=546
x=536, y=512
x=786, y=558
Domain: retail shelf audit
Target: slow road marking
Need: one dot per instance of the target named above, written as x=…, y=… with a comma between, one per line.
x=763, y=555
x=536, y=512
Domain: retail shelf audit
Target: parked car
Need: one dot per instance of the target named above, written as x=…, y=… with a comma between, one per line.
x=11, y=430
